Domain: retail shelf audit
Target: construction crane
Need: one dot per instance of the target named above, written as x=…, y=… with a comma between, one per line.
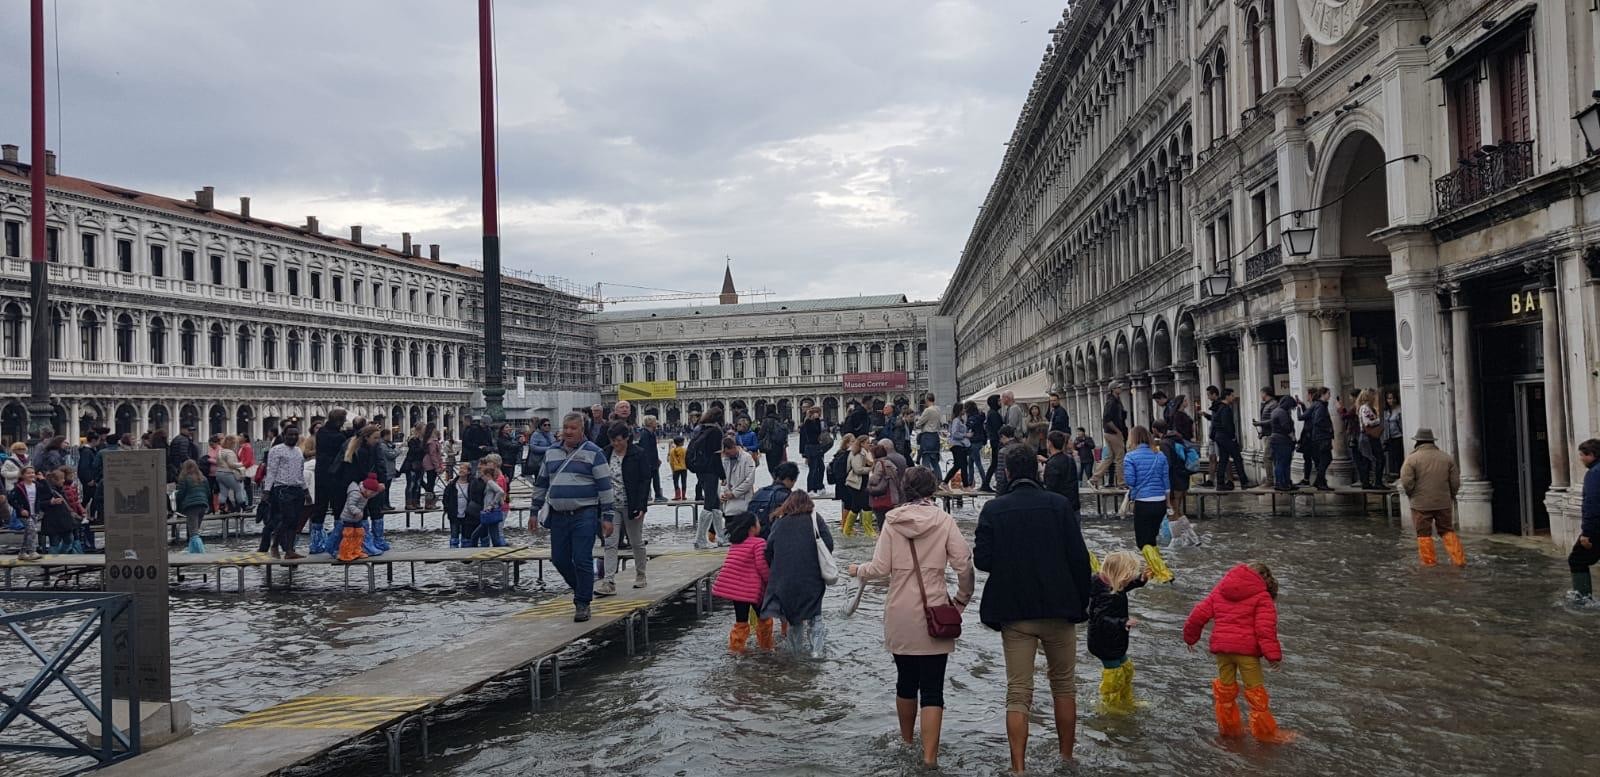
x=595, y=295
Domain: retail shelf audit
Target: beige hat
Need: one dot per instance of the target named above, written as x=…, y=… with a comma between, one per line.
x=1424, y=434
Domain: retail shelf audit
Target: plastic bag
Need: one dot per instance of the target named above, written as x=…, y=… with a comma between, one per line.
x=196, y=545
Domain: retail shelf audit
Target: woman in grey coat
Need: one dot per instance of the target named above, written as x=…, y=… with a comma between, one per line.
x=795, y=587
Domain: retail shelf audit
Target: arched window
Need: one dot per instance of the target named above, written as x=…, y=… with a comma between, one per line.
x=411, y=299
x=627, y=369
x=922, y=357
x=416, y=360
x=447, y=361
x=830, y=361
x=852, y=359
x=11, y=334
x=761, y=362
x=694, y=366
x=461, y=362
x=607, y=377
x=158, y=341
x=188, y=343
x=899, y=357
x=396, y=354
x=293, y=356
x=672, y=366
x=444, y=305
x=358, y=355
x=216, y=345
x=738, y=365
x=650, y=368
x=377, y=355
x=805, y=361
x=431, y=353
x=783, y=362
x=89, y=336
x=316, y=352
x=875, y=357
x=715, y=357
x=125, y=338
x=1220, y=97
x=1252, y=45
x=269, y=348
x=338, y=353
x=242, y=334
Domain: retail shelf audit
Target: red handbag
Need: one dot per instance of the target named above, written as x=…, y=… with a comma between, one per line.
x=944, y=620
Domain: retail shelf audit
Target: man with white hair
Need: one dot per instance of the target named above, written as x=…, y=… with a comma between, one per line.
x=1011, y=412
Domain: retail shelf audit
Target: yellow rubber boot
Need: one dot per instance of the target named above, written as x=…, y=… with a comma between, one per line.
x=1225, y=696
x=847, y=524
x=1452, y=545
x=1094, y=563
x=1263, y=726
x=1158, y=566
x=869, y=522
x=1116, y=688
x=1426, y=552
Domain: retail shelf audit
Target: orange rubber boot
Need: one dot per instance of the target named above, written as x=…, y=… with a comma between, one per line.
x=1426, y=552
x=764, y=634
x=1226, y=698
x=739, y=637
x=1452, y=545
x=350, y=546
x=1262, y=725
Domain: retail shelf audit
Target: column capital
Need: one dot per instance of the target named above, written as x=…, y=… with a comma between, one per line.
x=1591, y=258
x=1330, y=317
x=1544, y=269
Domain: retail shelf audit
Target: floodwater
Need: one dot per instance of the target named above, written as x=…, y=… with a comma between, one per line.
x=1389, y=669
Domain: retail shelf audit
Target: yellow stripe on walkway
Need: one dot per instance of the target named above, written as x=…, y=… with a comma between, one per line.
x=331, y=712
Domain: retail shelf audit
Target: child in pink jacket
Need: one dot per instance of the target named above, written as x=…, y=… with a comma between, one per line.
x=743, y=581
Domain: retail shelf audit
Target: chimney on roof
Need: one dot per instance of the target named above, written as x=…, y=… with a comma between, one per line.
x=416, y=250
x=206, y=198
x=49, y=162
x=311, y=224
x=244, y=207
x=433, y=251
x=405, y=242
x=10, y=152
x=355, y=233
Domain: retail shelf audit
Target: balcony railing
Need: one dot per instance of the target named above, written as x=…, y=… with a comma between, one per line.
x=1491, y=171
x=1262, y=263
x=236, y=376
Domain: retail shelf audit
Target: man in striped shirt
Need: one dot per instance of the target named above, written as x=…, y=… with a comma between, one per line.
x=576, y=481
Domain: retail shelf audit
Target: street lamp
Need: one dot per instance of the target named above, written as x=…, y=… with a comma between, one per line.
x=1589, y=123
x=1299, y=238
x=1217, y=285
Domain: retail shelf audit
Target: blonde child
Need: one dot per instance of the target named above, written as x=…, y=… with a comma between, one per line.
x=743, y=581
x=1109, y=624
x=1246, y=631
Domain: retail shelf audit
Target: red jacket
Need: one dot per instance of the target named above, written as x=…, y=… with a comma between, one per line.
x=744, y=573
x=1246, y=618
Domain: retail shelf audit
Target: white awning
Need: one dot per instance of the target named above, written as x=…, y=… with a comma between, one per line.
x=1034, y=388
x=982, y=394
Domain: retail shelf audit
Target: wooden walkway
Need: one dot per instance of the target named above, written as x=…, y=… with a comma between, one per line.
x=509, y=560
x=404, y=693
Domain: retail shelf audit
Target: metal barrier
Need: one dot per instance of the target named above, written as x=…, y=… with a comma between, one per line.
x=100, y=610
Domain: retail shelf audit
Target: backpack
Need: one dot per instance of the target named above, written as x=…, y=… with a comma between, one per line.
x=824, y=442
x=1189, y=456
x=695, y=458
x=836, y=468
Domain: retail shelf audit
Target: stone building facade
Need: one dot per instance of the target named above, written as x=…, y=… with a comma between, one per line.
x=170, y=312
x=1431, y=146
x=746, y=357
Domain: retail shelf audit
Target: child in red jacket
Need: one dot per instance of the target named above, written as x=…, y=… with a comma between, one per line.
x=743, y=581
x=1246, y=631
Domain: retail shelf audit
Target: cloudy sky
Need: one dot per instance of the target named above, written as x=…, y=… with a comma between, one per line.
x=829, y=148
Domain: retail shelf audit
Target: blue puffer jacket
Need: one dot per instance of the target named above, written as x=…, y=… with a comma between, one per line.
x=1145, y=471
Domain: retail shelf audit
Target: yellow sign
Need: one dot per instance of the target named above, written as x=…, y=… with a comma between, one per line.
x=648, y=389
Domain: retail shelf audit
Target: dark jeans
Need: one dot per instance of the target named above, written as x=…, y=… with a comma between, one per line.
x=1228, y=453
x=921, y=675
x=959, y=462
x=772, y=457
x=1582, y=558
x=1360, y=461
x=1147, y=522
x=1282, y=463
x=705, y=490
x=928, y=450
x=655, y=478
x=1321, y=455
x=815, y=470
x=287, y=502
x=330, y=495
x=572, y=549
x=1396, y=455
x=994, y=464
x=413, y=487
x=430, y=479
x=680, y=480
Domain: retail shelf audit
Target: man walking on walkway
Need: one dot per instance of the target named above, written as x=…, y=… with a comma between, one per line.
x=577, y=482
x=1114, y=426
x=927, y=428
x=1586, y=551
x=1430, y=478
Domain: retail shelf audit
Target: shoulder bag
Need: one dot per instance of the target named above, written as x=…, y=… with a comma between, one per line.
x=944, y=620
x=543, y=518
x=825, y=562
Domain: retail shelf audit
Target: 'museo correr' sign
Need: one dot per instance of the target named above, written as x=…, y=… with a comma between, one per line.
x=876, y=381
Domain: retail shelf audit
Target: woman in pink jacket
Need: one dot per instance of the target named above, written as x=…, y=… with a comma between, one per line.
x=919, y=659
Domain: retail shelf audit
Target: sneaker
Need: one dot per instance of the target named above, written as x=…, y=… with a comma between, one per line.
x=580, y=614
x=701, y=546
x=724, y=544
x=1225, y=487
x=605, y=588
x=1206, y=484
x=638, y=580
x=1324, y=487
x=291, y=555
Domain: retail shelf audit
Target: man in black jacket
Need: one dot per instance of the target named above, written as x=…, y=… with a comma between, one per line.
x=1318, y=433
x=329, y=488
x=650, y=444
x=1114, y=426
x=992, y=422
x=476, y=441
x=859, y=421
x=1225, y=433
x=1059, y=420
x=1030, y=543
x=1061, y=470
x=180, y=449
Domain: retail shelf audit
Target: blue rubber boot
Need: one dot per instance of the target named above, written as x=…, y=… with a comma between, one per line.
x=316, y=544
x=331, y=540
x=377, y=535
x=368, y=544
